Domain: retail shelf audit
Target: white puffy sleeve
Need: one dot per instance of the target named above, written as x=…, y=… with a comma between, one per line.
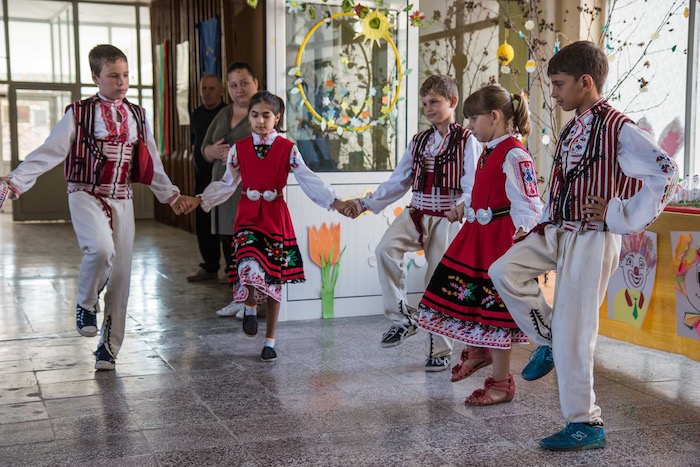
x=521, y=189
x=47, y=156
x=639, y=157
x=472, y=152
x=217, y=192
x=398, y=184
x=319, y=191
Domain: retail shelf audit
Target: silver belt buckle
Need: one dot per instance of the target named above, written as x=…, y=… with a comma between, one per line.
x=252, y=195
x=484, y=216
x=270, y=195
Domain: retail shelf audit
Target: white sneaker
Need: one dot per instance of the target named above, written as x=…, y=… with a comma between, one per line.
x=241, y=314
x=232, y=309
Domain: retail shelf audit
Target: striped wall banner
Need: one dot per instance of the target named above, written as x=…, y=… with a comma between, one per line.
x=161, y=130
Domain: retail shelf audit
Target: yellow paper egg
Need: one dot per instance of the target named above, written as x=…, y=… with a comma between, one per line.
x=505, y=53
x=530, y=66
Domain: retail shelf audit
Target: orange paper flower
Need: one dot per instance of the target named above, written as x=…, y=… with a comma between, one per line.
x=322, y=241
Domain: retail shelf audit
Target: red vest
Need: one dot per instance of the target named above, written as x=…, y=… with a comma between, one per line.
x=449, y=165
x=86, y=164
x=597, y=173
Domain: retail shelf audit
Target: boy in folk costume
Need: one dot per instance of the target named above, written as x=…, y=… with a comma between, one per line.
x=439, y=166
x=609, y=178
x=105, y=143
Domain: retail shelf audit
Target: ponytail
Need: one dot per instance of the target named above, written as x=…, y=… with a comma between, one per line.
x=521, y=114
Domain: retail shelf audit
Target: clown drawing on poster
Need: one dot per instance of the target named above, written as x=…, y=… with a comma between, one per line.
x=686, y=267
x=630, y=287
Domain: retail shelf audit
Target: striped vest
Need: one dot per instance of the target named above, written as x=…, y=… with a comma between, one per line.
x=597, y=173
x=449, y=165
x=85, y=163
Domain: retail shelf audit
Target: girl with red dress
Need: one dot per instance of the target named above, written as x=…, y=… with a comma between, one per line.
x=265, y=250
x=461, y=301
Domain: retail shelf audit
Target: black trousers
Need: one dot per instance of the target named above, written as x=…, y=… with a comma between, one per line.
x=208, y=242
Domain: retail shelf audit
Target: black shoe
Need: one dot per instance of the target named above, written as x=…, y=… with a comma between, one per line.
x=268, y=354
x=105, y=361
x=397, y=333
x=437, y=363
x=85, y=322
x=250, y=325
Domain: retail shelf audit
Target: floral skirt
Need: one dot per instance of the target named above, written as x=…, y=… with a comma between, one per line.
x=470, y=333
x=251, y=273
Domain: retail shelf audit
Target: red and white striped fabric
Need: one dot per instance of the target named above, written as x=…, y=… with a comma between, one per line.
x=585, y=164
x=114, y=178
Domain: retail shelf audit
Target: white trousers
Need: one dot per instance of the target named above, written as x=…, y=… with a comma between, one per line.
x=402, y=237
x=584, y=263
x=106, y=259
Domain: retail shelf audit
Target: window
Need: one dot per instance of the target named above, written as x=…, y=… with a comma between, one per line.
x=647, y=46
x=349, y=85
x=458, y=39
x=41, y=46
x=107, y=24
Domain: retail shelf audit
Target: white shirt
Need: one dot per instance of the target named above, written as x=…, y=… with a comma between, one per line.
x=401, y=178
x=60, y=141
x=319, y=191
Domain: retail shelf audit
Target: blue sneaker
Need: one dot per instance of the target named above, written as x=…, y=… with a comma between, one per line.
x=541, y=363
x=576, y=437
x=105, y=360
x=86, y=321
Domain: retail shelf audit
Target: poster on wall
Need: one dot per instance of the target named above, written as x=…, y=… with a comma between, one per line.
x=209, y=47
x=182, y=85
x=630, y=287
x=686, y=268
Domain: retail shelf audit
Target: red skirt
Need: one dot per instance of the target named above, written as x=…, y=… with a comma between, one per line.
x=264, y=232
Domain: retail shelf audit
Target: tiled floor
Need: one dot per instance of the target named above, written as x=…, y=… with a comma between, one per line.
x=190, y=389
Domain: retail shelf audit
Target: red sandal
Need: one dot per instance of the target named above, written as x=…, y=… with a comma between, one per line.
x=462, y=370
x=481, y=397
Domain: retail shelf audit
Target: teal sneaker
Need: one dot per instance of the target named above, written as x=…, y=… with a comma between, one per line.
x=576, y=437
x=541, y=363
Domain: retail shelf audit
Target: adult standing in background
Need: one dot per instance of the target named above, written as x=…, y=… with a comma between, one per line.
x=230, y=125
x=211, y=92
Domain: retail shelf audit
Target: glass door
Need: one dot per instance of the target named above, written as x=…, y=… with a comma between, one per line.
x=36, y=112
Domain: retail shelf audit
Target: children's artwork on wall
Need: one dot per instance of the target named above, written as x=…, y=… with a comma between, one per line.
x=686, y=268
x=630, y=287
x=324, y=250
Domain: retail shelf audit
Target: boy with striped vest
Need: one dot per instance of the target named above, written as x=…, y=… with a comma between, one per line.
x=105, y=144
x=439, y=166
x=609, y=178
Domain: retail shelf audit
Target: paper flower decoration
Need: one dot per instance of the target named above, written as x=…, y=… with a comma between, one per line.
x=545, y=139
x=529, y=25
x=293, y=6
x=417, y=18
x=505, y=69
x=324, y=250
x=530, y=66
x=375, y=26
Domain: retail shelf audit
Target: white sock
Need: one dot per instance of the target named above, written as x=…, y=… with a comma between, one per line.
x=269, y=343
x=250, y=310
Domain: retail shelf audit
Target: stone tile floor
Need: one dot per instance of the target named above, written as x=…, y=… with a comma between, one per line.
x=190, y=389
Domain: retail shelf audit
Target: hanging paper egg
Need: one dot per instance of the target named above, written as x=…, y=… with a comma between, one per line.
x=505, y=52
x=530, y=66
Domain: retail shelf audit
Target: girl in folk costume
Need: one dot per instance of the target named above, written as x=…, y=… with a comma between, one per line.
x=265, y=248
x=461, y=301
x=105, y=144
